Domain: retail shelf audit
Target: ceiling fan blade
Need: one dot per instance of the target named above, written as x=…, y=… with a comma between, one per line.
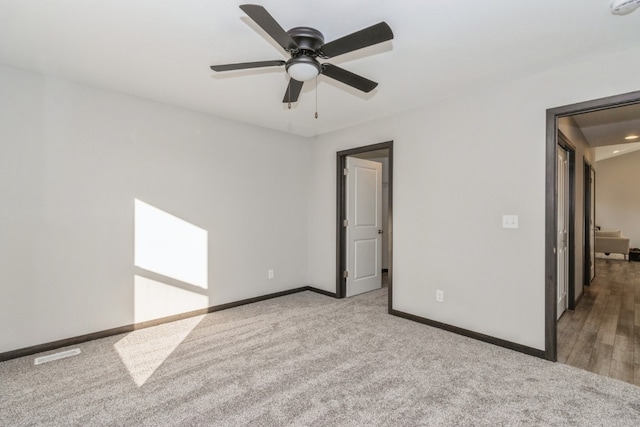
x=293, y=91
x=367, y=37
x=261, y=17
x=245, y=65
x=348, y=78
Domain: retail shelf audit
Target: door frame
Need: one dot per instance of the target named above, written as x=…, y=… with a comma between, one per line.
x=563, y=142
x=341, y=235
x=589, y=214
x=553, y=114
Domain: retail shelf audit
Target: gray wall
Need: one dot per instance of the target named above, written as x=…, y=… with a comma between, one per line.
x=72, y=161
x=618, y=195
x=459, y=165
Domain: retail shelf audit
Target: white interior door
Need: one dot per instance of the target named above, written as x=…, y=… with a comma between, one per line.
x=592, y=224
x=364, y=226
x=563, y=226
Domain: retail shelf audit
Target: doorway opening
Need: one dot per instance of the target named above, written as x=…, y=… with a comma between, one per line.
x=552, y=209
x=382, y=153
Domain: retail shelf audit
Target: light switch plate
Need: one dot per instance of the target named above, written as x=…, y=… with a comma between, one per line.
x=509, y=221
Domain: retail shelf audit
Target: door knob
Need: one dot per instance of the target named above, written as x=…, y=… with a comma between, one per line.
x=379, y=231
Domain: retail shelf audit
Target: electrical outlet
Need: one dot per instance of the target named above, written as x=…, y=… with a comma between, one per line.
x=439, y=295
x=270, y=274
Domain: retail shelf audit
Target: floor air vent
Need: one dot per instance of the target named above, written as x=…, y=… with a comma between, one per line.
x=56, y=356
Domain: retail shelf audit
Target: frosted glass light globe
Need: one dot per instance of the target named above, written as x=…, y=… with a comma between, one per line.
x=303, y=72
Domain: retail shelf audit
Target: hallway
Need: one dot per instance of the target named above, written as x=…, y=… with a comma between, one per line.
x=602, y=334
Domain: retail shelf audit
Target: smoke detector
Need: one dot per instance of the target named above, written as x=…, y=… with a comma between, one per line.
x=624, y=7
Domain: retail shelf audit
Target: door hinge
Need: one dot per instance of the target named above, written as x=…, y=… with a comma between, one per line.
x=345, y=222
x=346, y=171
x=345, y=274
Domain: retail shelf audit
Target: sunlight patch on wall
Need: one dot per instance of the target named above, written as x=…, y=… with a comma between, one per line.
x=177, y=250
x=154, y=300
x=145, y=350
x=170, y=246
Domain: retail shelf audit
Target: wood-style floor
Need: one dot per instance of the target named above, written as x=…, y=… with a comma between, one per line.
x=602, y=334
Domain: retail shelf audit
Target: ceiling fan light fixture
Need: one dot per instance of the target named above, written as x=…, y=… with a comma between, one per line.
x=303, y=71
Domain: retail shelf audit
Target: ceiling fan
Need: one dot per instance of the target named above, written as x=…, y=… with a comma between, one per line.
x=306, y=45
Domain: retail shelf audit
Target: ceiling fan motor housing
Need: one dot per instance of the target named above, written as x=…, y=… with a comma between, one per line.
x=309, y=41
x=307, y=38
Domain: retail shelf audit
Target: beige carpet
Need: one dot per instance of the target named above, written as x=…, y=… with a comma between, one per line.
x=306, y=359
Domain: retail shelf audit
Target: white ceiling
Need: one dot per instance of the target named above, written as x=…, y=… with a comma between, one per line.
x=606, y=130
x=162, y=49
x=610, y=127
x=609, y=151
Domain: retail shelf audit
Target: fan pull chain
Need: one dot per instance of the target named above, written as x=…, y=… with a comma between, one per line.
x=289, y=88
x=316, y=97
